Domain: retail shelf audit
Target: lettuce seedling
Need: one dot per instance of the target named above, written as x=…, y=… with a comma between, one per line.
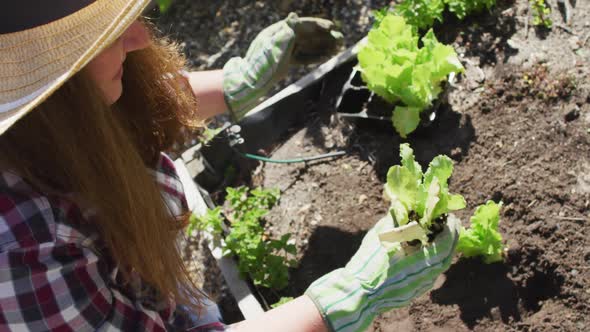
x=420, y=203
x=395, y=68
x=418, y=199
x=541, y=13
x=482, y=238
x=421, y=13
x=266, y=261
x=462, y=8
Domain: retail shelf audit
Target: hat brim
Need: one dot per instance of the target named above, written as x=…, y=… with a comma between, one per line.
x=36, y=62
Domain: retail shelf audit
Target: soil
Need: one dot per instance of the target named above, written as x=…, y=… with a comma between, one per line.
x=520, y=137
x=517, y=126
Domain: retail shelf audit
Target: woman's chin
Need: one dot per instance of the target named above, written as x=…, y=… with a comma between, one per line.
x=115, y=93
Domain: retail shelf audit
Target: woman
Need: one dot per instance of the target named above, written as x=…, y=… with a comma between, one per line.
x=90, y=207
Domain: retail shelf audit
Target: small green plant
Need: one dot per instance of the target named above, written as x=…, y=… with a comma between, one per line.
x=266, y=261
x=164, y=5
x=540, y=83
x=379, y=15
x=423, y=13
x=482, y=238
x=541, y=14
x=420, y=197
x=420, y=13
x=212, y=222
x=281, y=301
x=208, y=134
x=462, y=8
x=395, y=68
x=420, y=202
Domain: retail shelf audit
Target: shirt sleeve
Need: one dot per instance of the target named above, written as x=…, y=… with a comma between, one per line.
x=49, y=281
x=170, y=185
x=207, y=320
x=53, y=279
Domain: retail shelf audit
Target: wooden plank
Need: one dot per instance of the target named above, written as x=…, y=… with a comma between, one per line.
x=248, y=304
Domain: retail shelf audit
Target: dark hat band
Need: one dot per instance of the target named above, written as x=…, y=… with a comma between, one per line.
x=20, y=15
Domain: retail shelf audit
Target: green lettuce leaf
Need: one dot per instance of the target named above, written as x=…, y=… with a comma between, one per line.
x=439, y=169
x=405, y=119
x=441, y=58
x=401, y=185
x=462, y=8
x=430, y=203
x=398, y=212
x=396, y=69
x=425, y=194
x=421, y=13
x=483, y=238
x=409, y=162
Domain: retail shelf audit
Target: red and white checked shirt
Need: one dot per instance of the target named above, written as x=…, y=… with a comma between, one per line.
x=54, y=277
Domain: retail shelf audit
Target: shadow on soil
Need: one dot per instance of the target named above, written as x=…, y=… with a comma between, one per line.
x=486, y=34
x=328, y=250
x=478, y=288
x=451, y=134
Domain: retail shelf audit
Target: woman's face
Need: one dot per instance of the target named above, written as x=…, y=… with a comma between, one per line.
x=106, y=69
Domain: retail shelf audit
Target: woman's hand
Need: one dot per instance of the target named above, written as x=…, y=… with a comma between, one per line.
x=378, y=279
x=293, y=40
x=244, y=80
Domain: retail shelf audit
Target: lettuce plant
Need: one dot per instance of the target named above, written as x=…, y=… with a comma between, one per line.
x=482, y=238
x=541, y=13
x=266, y=261
x=417, y=197
x=395, y=68
x=421, y=13
x=462, y=8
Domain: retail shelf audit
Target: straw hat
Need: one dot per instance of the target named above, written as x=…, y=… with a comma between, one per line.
x=45, y=42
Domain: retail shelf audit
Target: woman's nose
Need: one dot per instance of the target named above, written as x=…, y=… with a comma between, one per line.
x=136, y=37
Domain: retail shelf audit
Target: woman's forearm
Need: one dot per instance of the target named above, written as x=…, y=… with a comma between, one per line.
x=299, y=315
x=207, y=87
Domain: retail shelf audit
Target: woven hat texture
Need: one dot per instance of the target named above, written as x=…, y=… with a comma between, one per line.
x=35, y=62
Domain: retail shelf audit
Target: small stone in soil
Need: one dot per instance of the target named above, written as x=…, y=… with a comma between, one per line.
x=304, y=209
x=362, y=198
x=572, y=115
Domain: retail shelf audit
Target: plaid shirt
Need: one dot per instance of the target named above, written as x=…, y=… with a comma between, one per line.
x=52, y=276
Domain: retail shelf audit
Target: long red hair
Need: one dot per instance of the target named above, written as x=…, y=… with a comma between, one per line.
x=75, y=143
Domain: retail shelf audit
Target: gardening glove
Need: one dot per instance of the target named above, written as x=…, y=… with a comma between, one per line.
x=380, y=277
x=293, y=40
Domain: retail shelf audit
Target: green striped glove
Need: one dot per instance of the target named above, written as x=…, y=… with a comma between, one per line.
x=293, y=40
x=378, y=279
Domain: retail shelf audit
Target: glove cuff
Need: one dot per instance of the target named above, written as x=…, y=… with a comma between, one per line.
x=247, y=79
x=341, y=300
x=237, y=92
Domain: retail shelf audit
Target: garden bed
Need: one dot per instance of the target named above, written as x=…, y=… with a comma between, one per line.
x=522, y=152
x=517, y=127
